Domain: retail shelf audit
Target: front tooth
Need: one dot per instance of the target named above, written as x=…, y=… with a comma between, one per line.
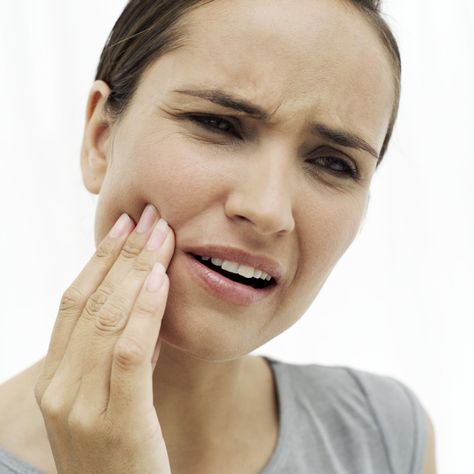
x=229, y=266
x=245, y=271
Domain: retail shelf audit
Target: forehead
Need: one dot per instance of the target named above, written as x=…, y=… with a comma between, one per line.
x=305, y=59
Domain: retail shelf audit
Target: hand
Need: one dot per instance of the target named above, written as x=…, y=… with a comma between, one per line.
x=95, y=390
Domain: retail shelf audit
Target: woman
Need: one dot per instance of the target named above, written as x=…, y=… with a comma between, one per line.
x=232, y=146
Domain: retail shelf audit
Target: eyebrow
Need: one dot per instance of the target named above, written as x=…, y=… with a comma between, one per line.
x=343, y=138
x=224, y=99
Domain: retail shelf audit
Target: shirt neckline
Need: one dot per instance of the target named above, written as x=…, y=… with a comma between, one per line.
x=282, y=388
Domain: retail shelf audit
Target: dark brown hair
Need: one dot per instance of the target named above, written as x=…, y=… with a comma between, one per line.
x=147, y=29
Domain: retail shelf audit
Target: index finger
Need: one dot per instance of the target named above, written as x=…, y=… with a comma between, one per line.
x=76, y=295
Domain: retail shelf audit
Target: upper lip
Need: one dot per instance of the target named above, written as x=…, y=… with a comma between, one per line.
x=260, y=262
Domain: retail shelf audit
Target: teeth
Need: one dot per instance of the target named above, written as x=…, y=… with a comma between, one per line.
x=234, y=267
x=246, y=271
x=230, y=266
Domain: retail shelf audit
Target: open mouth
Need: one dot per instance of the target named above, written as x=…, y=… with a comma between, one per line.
x=257, y=283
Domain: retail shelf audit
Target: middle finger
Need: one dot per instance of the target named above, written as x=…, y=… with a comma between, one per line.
x=73, y=360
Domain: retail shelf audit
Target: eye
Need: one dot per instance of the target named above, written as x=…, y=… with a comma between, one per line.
x=337, y=166
x=215, y=124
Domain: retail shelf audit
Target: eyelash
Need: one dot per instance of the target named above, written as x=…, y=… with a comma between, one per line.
x=200, y=120
x=349, y=171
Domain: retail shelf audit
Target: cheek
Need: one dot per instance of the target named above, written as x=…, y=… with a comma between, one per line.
x=177, y=181
x=173, y=177
x=330, y=229
x=325, y=233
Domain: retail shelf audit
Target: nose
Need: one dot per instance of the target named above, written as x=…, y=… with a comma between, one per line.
x=262, y=194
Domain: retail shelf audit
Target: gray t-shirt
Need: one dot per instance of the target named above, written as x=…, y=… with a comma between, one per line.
x=333, y=420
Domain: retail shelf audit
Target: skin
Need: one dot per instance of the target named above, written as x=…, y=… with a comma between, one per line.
x=315, y=61
x=261, y=193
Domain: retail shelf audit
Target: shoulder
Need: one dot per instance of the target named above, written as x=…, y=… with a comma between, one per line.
x=378, y=402
x=400, y=416
x=403, y=419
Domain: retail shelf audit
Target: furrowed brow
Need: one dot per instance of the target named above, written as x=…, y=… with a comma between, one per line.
x=343, y=138
x=225, y=99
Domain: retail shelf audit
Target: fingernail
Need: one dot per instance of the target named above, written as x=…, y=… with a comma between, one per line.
x=158, y=235
x=156, y=277
x=147, y=219
x=120, y=226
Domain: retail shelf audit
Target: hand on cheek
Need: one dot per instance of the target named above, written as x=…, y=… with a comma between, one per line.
x=95, y=390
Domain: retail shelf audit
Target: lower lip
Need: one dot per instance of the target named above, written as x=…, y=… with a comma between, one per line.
x=224, y=288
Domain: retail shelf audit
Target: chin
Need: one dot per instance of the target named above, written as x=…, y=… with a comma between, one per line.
x=203, y=334
x=204, y=329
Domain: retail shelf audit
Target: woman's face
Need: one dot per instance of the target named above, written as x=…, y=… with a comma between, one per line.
x=272, y=186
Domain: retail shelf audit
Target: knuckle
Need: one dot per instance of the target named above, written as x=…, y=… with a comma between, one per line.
x=130, y=250
x=128, y=354
x=142, y=265
x=52, y=407
x=111, y=318
x=145, y=309
x=96, y=301
x=71, y=300
x=105, y=250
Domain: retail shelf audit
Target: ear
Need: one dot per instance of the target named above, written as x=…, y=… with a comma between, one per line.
x=97, y=138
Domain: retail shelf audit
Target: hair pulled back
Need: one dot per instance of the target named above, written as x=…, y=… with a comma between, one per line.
x=147, y=29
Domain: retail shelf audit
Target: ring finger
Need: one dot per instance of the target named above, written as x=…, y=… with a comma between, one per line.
x=114, y=317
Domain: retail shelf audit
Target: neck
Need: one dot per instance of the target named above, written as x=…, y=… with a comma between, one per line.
x=197, y=401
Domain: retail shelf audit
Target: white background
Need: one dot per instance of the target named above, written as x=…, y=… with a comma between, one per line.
x=398, y=303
